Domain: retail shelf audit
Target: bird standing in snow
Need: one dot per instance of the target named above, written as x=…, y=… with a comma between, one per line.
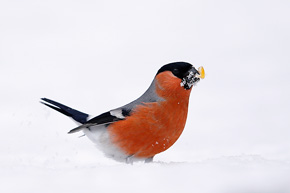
x=147, y=126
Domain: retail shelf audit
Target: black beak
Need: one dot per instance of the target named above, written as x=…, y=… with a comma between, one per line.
x=190, y=78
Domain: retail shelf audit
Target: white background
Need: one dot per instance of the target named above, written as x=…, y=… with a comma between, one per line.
x=98, y=55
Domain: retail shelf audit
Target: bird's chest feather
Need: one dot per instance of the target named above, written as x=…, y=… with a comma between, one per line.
x=152, y=127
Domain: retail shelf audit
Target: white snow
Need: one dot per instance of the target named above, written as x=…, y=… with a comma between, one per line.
x=236, y=139
x=242, y=174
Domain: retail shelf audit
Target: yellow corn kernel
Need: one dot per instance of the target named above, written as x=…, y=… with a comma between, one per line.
x=201, y=72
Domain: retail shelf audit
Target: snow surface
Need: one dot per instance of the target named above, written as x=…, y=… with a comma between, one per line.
x=240, y=174
x=98, y=55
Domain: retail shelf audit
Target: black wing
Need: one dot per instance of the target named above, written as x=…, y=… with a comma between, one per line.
x=105, y=118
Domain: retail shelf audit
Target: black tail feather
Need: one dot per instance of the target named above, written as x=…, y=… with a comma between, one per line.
x=76, y=115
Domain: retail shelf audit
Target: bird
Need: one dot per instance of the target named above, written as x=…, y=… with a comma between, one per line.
x=146, y=126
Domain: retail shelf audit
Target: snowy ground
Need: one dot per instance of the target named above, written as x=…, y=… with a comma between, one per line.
x=98, y=55
x=241, y=174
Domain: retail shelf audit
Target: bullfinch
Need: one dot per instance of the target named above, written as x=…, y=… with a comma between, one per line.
x=146, y=126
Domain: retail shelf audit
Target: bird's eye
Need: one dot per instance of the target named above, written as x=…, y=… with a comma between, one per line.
x=175, y=71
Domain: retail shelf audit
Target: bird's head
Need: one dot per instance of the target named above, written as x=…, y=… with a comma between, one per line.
x=187, y=74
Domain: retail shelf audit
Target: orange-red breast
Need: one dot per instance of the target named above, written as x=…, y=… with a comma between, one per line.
x=148, y=125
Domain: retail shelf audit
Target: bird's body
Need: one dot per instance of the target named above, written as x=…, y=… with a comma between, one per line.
x=147, y=126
